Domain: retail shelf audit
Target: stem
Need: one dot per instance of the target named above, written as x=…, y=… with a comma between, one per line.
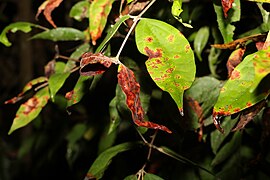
x=135, y=21
x=66, y=58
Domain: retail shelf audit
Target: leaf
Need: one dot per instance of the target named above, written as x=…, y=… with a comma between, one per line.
x=14, y=27
x=99, y=11
x=235, y=59
x=114, y=115
x=30, y=109
x=171, y=61
x=111, y=32
x=93, y=64
x=225, y=24
x=200, y=41
x=228, y=149
x=26, y=88
x=177, y=10
x=47, y=7
x=80, y=10
x=57, y=79
x=149, y=176
x=131, y=177
x=226, y=5
x=78, y=92
x=76, y=133
x=131, y=88
x=61, y=34
x=104, y=159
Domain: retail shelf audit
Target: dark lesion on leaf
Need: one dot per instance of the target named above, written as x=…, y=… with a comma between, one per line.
x=153, y=54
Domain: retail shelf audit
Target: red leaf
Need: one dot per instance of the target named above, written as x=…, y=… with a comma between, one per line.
x=93, y=64
x=47, y=7
x=234, y=59
x=131, y=88
x=226, y=5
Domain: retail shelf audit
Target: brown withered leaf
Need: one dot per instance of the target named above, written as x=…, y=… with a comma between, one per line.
x=248, y=115
x=49, y=69
x=47, y=7
x=235, y=59
x=93, y=64
x=131, y=88
x=226, y=5
x=240, y=42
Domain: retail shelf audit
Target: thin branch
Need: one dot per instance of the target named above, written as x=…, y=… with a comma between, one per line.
x=66, y=58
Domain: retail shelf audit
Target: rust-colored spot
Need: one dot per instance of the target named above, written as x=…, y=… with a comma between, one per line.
x=236, y=110
x=69, y=95
x=157, y=79
x=158, y=61
x=254, y=64
x=249, y=104
x=176, y=84
x=187, y=48
x=171, y=38
x=176, y=56
x=170, y=70
x=235, y=75
x=261, y=70
x=30, y=105
x=230, y=107
x=177, y=76
x=153, y=54
x=265, y=61
x=268, y=54
x=149, y=39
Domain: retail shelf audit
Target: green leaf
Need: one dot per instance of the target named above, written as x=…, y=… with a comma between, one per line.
x=225, y=24
x=200, y=41
x=104, y=159
x=261, y=1
x=228, y=149
x=114, y=115
x=171, y=60
x=57, y=79
x=111, y=32
x=61, y=34
x=14, y=27
x=131, y=177
x=236, y=94
x=99, y=11
x=80, y=10
x=149, y=176
x=30, y=109
x=177, y=10
x=76, y=133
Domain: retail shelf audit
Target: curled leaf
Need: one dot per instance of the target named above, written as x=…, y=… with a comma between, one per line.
x=93, y=64
x=235, y=59
x=131, y=88
x=226, y=5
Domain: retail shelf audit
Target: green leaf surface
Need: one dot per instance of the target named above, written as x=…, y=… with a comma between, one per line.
x=201, y=40
x=228, y=149
x=131, y=177
x=61, y=34
x=14, y=27
x=98, y=13
x=176, y=10
x=149, y=176
x=114, y=115
x=218, y=138
x=76, y=133
x=104, y=159
x=111, y=32
x=57, y=80
x=30, y=109
x=80, y=10
x=225, y=24
x=236, y=94
x=171, y=60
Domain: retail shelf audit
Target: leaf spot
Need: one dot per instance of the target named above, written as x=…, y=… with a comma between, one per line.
x=235, y=75
x=153, y=54
x=171, y=38
x=149, y=39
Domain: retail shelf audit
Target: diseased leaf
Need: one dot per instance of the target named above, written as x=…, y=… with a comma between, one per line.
x=30, y=109
x=99, y=11
x=93, y=64
x=104, y=159
x=61, y=34
x=131, y=88
x=26, y=88
x=235, y=59
x=47, y=7
x=14, y=27
x=200, y=41
x=149, y=176
x=80, y=10
x=226, y=5
x=57, y=79
x=171, y=60
x=225, y=24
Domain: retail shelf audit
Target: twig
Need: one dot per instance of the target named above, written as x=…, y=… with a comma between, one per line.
x=66, y=58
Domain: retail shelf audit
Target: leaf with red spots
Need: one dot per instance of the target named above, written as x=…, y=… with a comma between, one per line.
x=30, y=109
x=131, y=88
x=226, y=5
x=26, y=88
x=98, y=13
x=235, y=59
x=236, y=94
x=171, y=60
x=47, y=7
x=93, y=64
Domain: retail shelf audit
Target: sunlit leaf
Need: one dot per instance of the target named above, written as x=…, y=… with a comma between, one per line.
x=235, y=59
x=14, y=27
x=80, y=10
x=99, y=11
x=171, y=60
x=200, y=41
x=225, y=24
x=30, y=109
x=104, y=159
x=131, y=88
x=61, y=34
